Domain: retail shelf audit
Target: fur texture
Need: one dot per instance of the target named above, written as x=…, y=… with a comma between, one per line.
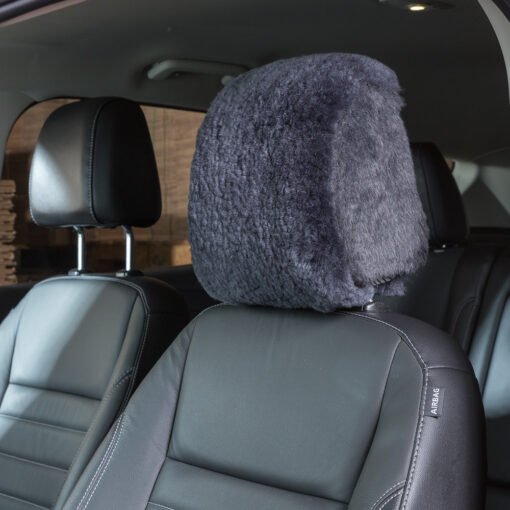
x=303, y=192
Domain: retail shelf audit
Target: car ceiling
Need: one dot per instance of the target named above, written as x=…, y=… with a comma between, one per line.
x=449, y=61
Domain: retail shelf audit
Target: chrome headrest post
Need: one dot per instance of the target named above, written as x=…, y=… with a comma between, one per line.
x=130, y=248
x=130, y=255
x=81, y=252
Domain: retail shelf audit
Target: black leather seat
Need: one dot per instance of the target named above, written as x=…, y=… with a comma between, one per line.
x=184, y=280
x=75, y=348
x=463, y=290
x=490, y=356
x=448, y=291
x=275, y=406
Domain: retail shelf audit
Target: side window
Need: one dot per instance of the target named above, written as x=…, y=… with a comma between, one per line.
x=485, y=189
x=30, y=253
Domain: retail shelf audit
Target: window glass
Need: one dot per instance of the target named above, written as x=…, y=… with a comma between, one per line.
x=485, y=190
x=29, y=252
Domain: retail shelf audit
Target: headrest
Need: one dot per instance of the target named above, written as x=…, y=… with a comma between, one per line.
x=303, y=193
x=440, y=196
x=94, y=166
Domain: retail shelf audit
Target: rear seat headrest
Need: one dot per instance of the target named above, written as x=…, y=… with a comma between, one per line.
x=94, y=166
x=440, y=196
x=302, y=192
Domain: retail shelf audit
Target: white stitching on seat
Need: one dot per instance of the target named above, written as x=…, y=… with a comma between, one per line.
x=159, y=505
x=418, y=441
x=392, y=327
x=396, y=495
x=92, y=481
x=105, y=468
x=386, y=493
x=141, y=348
x=423, y=400
x=103, y=465
x=121, y=380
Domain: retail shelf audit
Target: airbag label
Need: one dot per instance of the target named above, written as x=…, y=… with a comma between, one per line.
x=435, y=401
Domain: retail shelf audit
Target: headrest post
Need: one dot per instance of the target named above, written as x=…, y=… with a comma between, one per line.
x=82, y=249
x=130, y=248
x=130, y=255
x=81, y=252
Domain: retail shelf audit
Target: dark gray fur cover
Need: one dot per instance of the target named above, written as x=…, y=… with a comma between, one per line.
x=303, y=192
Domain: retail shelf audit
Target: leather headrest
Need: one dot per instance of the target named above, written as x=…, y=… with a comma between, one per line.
x=303, y=193
x=440, y=196
x=94, y=166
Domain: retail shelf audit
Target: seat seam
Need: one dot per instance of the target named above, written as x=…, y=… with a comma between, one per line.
x=172, y=424
x=379, y=500
x=101, y=464
x=120, y=380
x=29, y=461
x=138, y=358
x=159, y=505
x=107, y=396
x=421, y=421
x=459, y=311
x=493, y=342
x=15, y=337
x=42, y=424
x=395, y=328
x=105, y=467
x=69, y=393
x=111, y=279
x=255, y=482
x=26, y=501
x=120, y=281
x=108, y=455
x=376, y=426
x=477, y=296
x=447, y=367
x=394, y=496
x=190, y=335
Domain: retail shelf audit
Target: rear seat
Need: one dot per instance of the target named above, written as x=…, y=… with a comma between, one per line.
x=464, y=289
x=448, y=291
x=490, y=356
x=184, y=280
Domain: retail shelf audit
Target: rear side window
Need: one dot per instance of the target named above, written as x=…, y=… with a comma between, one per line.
x=30, y=253
x=485, y=190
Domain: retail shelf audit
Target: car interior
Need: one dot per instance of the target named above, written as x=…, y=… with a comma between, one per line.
x=255, y=255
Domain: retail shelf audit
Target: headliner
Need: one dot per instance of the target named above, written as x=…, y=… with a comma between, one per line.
x=449, y=62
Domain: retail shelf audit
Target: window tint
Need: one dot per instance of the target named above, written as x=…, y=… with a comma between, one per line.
x=28, y=252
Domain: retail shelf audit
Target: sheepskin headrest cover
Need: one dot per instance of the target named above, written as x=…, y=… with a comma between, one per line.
x=303, y=192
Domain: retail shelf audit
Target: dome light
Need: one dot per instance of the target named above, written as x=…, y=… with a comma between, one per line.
x=417, y=7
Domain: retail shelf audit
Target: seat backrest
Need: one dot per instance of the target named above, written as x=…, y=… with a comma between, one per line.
x=74, y=349
x=463, y=290
x=184, y=280
x=490, y=356
x=447, y=292
x=303, y=400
